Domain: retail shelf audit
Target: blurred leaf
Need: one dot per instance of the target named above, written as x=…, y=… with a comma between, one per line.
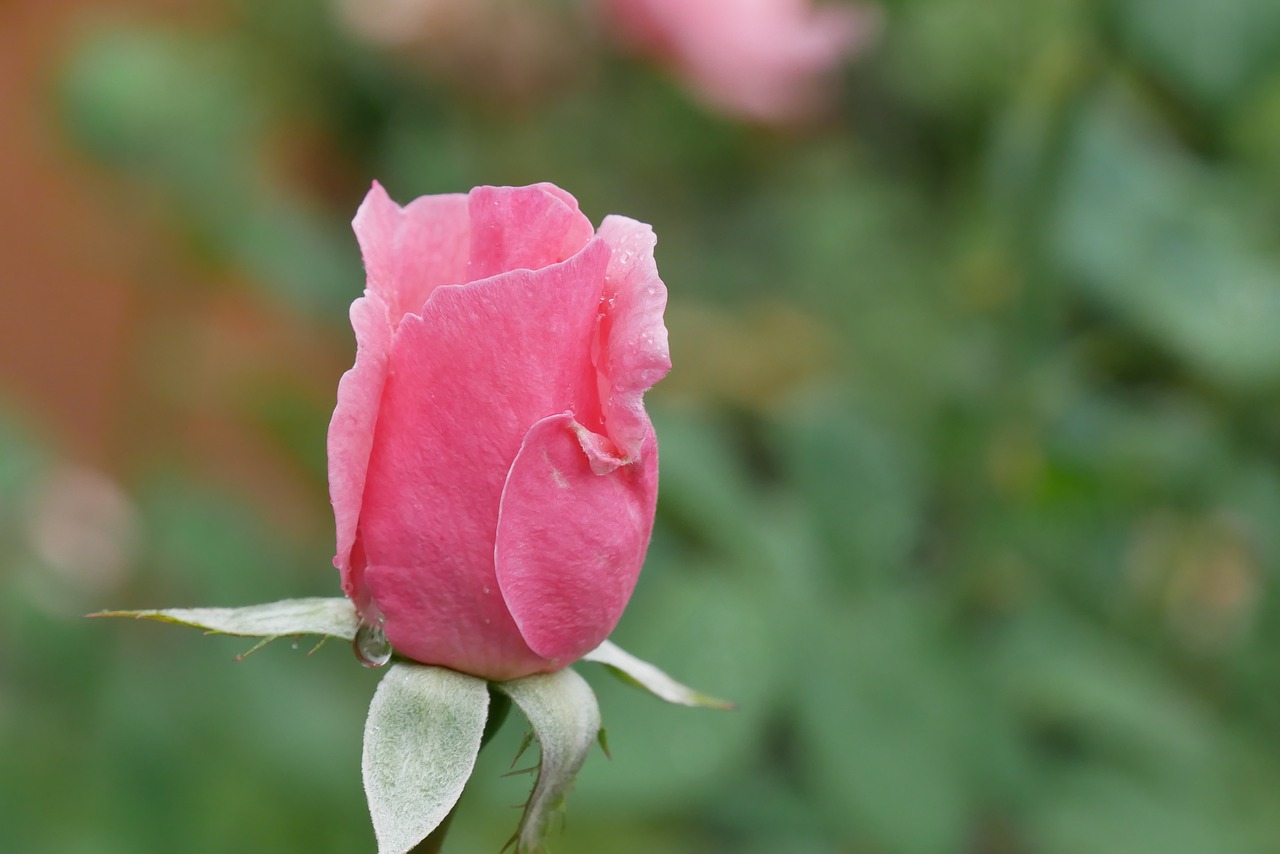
x=859, y=484
x=706, y=491
x=958, y=58
x=1168, y=245
x=1213, y=50
x=1106, y=814
x=182, y=112
x=208, y=545
x=887, y=729
x=174, y=108
x=1132, y=445
x=1079, y=685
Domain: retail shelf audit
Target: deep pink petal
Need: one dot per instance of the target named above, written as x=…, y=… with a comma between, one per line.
x=631, y=353
x=439, y=615
x=410, y=251
x=527, y=228
x=465, y=380
x=571, y=542
x=352, y=427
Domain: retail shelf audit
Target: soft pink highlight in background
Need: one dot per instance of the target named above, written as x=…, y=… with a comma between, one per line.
x=766, y=60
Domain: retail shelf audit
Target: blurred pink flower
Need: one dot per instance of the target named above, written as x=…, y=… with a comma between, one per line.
x=492, y=467
x=85, y=531
x=765, y=60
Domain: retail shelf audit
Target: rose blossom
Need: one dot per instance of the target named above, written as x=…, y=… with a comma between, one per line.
x=492, y=469
x=765, y=60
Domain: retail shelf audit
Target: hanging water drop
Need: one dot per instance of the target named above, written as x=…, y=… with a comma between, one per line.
x=370, y=645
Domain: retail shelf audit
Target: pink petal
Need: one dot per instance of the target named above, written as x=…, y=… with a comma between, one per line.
x=526, y=228
x=571, y=542
x=352, y=427
x=484, y=361
x=410, y=251
x=631, y=352
x=438, y=614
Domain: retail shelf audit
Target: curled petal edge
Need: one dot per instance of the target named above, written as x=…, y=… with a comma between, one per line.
x=570, y=541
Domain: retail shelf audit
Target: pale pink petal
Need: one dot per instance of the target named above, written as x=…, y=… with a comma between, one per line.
x=352, y=427
x=631, y=353
x=571, y=542
x=465, y=380
x=410, y=251
x=515, y=228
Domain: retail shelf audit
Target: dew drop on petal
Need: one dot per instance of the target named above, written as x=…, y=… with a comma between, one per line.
x=370, y=645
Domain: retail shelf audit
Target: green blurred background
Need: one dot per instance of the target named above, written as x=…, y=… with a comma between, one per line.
x=970, y=489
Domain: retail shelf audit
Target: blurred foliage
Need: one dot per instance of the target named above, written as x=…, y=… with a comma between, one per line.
x=970, y=454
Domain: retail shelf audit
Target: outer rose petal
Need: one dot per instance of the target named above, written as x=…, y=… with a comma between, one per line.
x=410, y=251
x=571, y=542
x=526, y=228
x=465, y=380
x=352, y=426
x=631, y=353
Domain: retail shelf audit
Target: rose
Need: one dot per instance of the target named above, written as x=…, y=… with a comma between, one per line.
x=492, y=469
x=764, y=60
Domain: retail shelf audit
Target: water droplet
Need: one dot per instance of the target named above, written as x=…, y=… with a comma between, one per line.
x=370, y=645
x=486, y=590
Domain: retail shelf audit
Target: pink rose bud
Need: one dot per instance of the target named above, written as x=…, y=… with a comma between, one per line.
x=492, y=469
x=765, y=60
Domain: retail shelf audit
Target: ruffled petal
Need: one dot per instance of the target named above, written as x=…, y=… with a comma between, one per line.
x=410, y=251
x=351, y=430
x=571, y=542
x=631, y=350
x=515, y=228
x=464, y=381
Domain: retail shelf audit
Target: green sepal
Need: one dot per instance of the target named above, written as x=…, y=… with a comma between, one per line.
x=316, y=616
x=562, y=710
x=644, y=675
x=421, y=740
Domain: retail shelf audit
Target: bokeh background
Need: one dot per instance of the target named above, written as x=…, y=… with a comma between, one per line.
x=970, y=495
